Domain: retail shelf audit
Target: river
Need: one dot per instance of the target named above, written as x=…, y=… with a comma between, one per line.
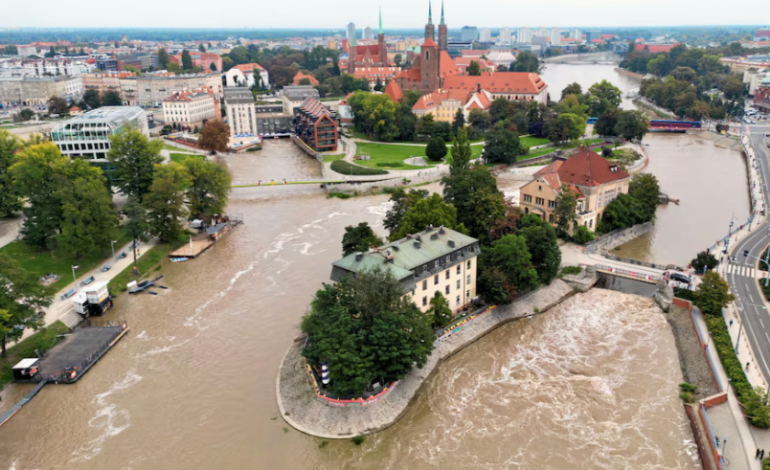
x=193, y=384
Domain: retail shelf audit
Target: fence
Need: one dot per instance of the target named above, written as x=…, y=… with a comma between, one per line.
x=419, y=176
x=448, y=331
x=611, y=239
x=629, y=274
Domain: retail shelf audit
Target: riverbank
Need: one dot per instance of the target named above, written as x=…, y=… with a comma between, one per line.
x=301, y=408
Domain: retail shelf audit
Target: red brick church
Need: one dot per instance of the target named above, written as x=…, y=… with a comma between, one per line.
x=374, y=55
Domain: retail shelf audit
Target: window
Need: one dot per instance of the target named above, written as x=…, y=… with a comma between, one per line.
x=425, y=285
x=458, y=283
x=469, y=279
x=448, y=273
x=446, y=290
x=551, y=204
x=539, y=201
x=457, y=301
x=458, y=269
x=435, y=279
x=468, y=294
x=469, y=264
x=527, y=198
x=425, y=301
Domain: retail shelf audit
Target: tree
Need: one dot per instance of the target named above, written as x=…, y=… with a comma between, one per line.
x=733, y=88
x=397, y=59
x=565, y=212
x=258, y=80
x=11, y=50
x=624, y=211
x=644, y=187
x=111, y=98
x=713, y=294
x=495, y=286
x=525, y=62
x=174, y=67
x=215, y=136
x=478, y=201
x=133, y=157
x=401, y=202
x=201, y=48
x=209, y=186
x=375, y=115
x=51, y=53
x=365, y=330
x=425, y=125
x=704, y=261
x=165, y=201
x=38, y=175
x=605, y=125
x=57, y=105
x=359, y=239
x=436, y=149
x=512, y=257
x=582, y=235
x=439, y=308
x=213, y=67
x=458, y=122
x=571, y=89
x=137, y=225
x=565, y=127
x=431, y=211
x=187, y=63
x=542, y=245
x=9, y=199
x=479, y=119
x=684, y=73
x=443, y=130
x=506, y=225
x=304, y=81
x=501, y=146
x=24, y=115
x=92, y=99
x=21, y=297
x=473, y=70
x=89, y=218
x=378, y=86
x=632, y=125
x=461, y=152
x=603, y=96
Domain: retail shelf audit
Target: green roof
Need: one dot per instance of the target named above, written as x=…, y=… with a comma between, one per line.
x=405, y=255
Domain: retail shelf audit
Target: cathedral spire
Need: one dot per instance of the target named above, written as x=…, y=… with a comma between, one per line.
x=380, y=21
x=442, y=11
x=430, y=13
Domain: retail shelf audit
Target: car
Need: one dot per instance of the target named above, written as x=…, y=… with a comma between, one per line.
x=680, y=278
x=87, y=281
x=68, y=294
x=122, y=255
x=106, y=268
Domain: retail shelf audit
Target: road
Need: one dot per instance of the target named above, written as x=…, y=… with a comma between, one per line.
x=741, y=273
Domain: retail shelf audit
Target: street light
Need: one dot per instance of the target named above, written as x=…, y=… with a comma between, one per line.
x=73, y=275
x=112, y=245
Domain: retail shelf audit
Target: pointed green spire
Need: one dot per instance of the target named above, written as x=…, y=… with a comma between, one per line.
x=380, y=20
x=430, y=12
x=442, y=11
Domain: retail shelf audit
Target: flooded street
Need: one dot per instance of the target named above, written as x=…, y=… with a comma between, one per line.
x=589, y=384
x=710, y=183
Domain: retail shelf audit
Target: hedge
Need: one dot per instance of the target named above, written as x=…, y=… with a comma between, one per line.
x=346, y=168
x=753, y=404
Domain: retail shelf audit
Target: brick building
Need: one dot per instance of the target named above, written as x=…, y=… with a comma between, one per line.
x=375, y=55
x=315, y=125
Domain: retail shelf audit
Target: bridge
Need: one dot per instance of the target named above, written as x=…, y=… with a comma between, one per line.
x=607, y=58
x=667, y=125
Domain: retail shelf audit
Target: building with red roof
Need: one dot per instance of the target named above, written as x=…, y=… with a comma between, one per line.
x=594, y=180
x=243, y=75
x=300, y=76
x=202, y=60
x=370, y=55
x=394, y=91
x=315, y=125
x=190, y=108
x=509, y=85
x=375, y=74
x=462, y=64
x=654, y=48
x=443, y=104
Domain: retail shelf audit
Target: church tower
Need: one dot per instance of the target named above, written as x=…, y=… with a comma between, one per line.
x=430, y=31
x=352, y=58
x=430, y=66
x=382, y=48
x=443, y=38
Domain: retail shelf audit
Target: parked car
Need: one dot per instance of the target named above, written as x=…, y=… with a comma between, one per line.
x=106, y=268
x=122, y=255
x=87, y=281
x=68, y=294
x=680, y=278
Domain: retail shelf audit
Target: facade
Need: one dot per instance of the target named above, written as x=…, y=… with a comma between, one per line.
x=43, y=67
x=139, y=61
x=272, y=120
x=595, y=181
x=468, y=34
x=38, y=91
x=525, y=36
x=374, y=55
x=555, y=37
x=443, y=104
x=462, y=64
x=241, y=112
x=368, y=34
x=243, y=75
x=314, y=124
x=762, y=96
x=485, y=35
x=576, y=34
x=592, y=34
x=435, y=260
x=351, y=32
x=508, y=85
x=501, y=57
x=505, y=36
x=88, y=136
x=753, y=78
x=373, y=74
x=203, y=60
x=149, y=90
x=293, y=97
x=190, y=109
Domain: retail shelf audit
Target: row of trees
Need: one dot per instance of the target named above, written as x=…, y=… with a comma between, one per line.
x=686, y=100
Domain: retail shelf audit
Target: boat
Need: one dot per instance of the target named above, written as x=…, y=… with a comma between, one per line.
x=177, y=260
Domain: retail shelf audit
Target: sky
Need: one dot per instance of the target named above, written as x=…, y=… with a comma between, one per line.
x=335, y=14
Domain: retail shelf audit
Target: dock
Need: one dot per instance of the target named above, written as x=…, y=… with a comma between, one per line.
x=192, y=249
x=69, y=360
x=195, y=247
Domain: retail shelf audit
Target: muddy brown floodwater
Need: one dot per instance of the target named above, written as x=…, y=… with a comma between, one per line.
x=591, y=384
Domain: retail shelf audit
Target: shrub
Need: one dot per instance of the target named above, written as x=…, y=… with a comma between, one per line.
x=347, y=168
x=358, y=440
x=704, y=259
x=583, y=235
x=685, y=294
x=570, y=270
x=436, y=149
x=341, y=195
x=254, y=148
x=389, y=190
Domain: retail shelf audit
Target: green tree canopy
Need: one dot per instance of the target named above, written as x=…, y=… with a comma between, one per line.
x=209, y=187
x=376, y=115
x=706, y=260
x=214, y=136
x=162, y=58
x=566, y=206
x=366, y=331
x=111, y=98
x=358, y=239
x=541, y=242
x=632, y=125
x=511, y=256
x=572, y=89
x=137, y=224
x=713, y=294
x=439, y=308
x=501, y=146
x=431, y=211
x=461, y=152
x=458, y=122
x=401, y=203
x=187, y=63
x=9, y=198
x=473, y=70
x=92, y=99
x=436, y=149
x=607, y=122
x=478, y=201
x=165, y=202
x=603, y=96
x=644, y=187
x=134, y=157
x=565, y=127
x=525, y=62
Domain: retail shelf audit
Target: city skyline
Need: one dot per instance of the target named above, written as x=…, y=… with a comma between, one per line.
x=336, y=14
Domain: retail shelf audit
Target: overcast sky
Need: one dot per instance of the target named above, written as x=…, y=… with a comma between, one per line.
x=264, y=14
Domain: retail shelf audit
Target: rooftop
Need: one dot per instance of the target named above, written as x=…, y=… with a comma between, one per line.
x=116, y=116
x=238, y=95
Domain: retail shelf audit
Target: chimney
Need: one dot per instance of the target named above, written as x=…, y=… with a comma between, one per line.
x=451, y=243
x=417, y=244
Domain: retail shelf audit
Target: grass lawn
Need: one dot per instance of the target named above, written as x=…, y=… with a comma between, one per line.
x=533, y=141
x=145, y=264
x=42, y=262
x=393, y=156
x=179, y=157
x=332, y=158
x=43, y=340
x=173, y=148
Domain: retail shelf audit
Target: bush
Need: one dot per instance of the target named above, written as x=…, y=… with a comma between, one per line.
x=570, y=270
x=341, y=195
x=685, y=294
x=254, y=148
x=358, y=440
x=389, y=190
x=346, y=168
x=704, y=259
x=436, y=149
x=583, y=235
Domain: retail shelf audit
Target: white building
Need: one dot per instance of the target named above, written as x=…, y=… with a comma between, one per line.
x=525, y=36
x=88, y=135
x=190, y=108
x=27, y=50
x=351, y=31
x=368, y=34
x=753, y=78
x=575, y=34
x=293, y=96
x=241, y=111
x=555, y=37
x=542, y=33
x=243, y=75
x=505, y=36
x=501, y=57
x=485, y=35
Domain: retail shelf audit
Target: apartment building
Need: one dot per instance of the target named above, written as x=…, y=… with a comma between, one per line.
x=443, y=104
x=190, y=109
x=435, y=260
x=241, y=112
x=149, y=90
x=29, y=91
x=314, y=123
x=293, y=96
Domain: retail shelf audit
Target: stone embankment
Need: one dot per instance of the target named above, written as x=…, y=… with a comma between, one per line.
x=301, y=408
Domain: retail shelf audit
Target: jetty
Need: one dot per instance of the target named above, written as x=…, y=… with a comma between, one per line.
x=209, y=235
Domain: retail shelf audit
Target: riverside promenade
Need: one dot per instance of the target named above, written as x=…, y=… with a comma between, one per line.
x=302, y=409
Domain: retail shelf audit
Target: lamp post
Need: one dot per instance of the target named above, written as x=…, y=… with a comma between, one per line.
x=112, y=245
x=74, y=278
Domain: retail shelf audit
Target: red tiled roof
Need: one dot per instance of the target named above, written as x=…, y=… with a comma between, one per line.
x=374, y=49
x=314, y=107
x=248, y=67
x=437, y=97
x=429, y=43
x=498, y=82
x=394, y=91
x=300, y=76
x=586, y=168
x=448, y=66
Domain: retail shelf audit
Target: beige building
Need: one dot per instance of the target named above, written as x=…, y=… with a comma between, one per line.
x=29, y=91
x=149, y=90
x=241, y=112
x=433, y=260
x=443, y=104
x=293, y=97
x=595, y=181
x=190, y=108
